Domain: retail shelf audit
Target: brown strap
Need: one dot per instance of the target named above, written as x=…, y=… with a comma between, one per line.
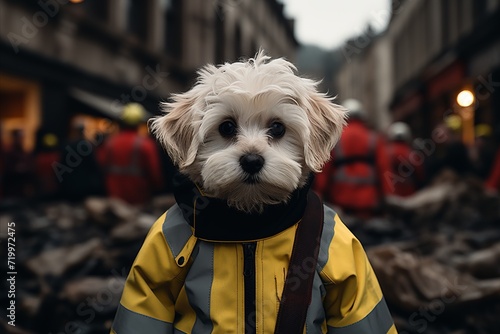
x=297, y=292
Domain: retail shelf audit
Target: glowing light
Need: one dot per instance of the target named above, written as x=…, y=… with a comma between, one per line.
x=76, y=1
x=465, y=98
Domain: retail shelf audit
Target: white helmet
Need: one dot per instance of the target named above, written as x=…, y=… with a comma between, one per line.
x=354, y=109
x=399, y=131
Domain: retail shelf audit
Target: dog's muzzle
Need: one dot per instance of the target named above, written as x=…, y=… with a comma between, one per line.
x=251, y=163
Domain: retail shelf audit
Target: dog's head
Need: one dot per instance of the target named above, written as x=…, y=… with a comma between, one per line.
x=250, y=132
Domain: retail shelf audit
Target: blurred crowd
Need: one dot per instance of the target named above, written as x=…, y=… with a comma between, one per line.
x=366, y=166
x=79, y=241
x=127, y=164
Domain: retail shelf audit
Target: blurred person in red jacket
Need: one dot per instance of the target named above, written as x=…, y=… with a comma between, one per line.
x=18, y=172
x=130, y=160
x=78, y=170
x=493, y=182
x=407, y=165
x=47, y=154
x=355, y=180
x=482, y=153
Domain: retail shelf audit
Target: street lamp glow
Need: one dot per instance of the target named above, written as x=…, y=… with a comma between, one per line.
x=465, y=98
x=75, y=1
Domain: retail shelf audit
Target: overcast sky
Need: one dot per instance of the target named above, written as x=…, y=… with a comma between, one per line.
x=328, y=23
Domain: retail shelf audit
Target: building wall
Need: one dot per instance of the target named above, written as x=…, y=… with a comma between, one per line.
x=107, y=48
x=73, y=37
x=129, y=50
x=430, y=49
x=366, y=76
x=383, y=85
x=422, y=29
x=435, y=45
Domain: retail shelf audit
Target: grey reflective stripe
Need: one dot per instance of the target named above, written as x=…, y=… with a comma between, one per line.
x=129, y=322
x=133, y=168
x=326, y=236
x=176, y=230
x=198, y=285
x=341, y=175
x=316, y=312
x=379, y=320
x=315, y=317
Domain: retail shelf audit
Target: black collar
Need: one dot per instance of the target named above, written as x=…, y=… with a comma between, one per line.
x=214, y=220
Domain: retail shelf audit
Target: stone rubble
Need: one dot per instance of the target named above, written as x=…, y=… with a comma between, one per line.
x=436, y=254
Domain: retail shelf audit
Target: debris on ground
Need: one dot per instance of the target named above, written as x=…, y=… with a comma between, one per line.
x=436, y=255
x=72, y=260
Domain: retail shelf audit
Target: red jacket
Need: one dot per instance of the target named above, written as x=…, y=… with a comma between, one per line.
x=493, y=181
x=132, y=167
x=406, y=175
x=46, y=177
x=356, y=177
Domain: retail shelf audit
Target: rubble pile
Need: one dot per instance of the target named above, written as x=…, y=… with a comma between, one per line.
x=72, y=260
x=437, y=257
x=436, y=254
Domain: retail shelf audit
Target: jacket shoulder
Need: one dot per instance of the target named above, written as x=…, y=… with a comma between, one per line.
x=176, y=230
x=169, y=244
x=340, y=251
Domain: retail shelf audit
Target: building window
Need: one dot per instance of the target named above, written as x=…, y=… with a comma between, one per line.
x=137, y=18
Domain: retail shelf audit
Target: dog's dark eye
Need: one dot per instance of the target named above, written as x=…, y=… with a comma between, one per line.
x=277, y=130
x=227, y=129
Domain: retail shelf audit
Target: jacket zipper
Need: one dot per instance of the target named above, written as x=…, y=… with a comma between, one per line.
x=249, y=282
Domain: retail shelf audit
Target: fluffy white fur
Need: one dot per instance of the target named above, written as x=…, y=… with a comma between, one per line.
x=253, y=94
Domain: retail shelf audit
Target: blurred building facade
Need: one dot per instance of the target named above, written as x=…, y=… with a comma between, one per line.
x=63, y=60
x=367, y=64
x=430, y=51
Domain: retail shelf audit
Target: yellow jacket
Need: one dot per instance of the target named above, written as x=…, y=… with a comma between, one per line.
x=180, y=283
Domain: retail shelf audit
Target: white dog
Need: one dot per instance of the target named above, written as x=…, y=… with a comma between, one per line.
x=250, y=132
x=247, y=138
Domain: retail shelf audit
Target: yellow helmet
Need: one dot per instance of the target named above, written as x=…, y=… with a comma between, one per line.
x=49, y=140
x=483, y=130
x=133, y=114
x=453, y=122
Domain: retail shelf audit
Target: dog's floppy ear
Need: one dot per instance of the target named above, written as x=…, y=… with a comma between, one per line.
x=176, y=130
x=327, y=121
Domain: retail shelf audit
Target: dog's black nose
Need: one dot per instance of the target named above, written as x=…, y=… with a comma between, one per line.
x=251, y=163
